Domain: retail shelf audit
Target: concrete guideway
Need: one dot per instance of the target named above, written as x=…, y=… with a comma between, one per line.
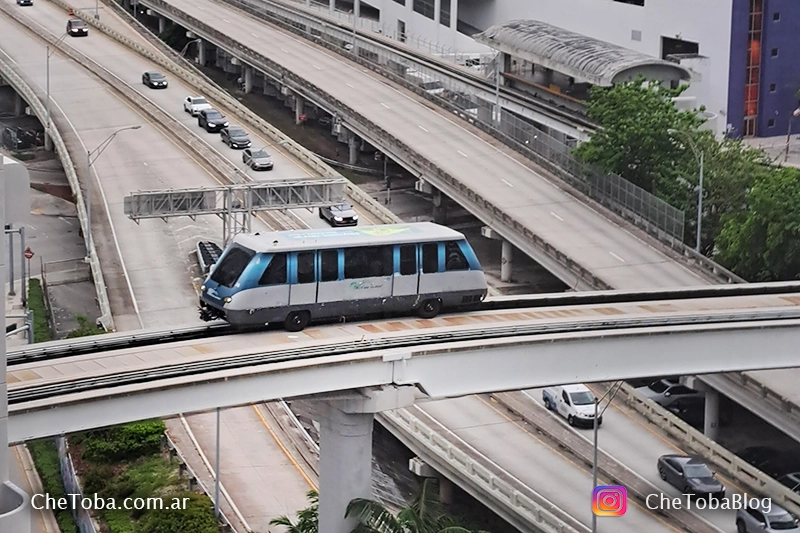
x=521, y=192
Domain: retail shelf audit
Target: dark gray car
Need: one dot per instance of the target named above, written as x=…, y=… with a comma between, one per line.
x=212, y=120
x=339, y=215
x=257, y=159
x=235, y=137
x=689, y=475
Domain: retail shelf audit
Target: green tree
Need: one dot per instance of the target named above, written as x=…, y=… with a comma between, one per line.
x=425, y=514
x=763, y=242
x=633, y=140
x=307, y=519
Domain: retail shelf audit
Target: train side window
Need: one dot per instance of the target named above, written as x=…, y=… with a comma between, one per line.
x=232, y=266
x=305, y=267
x=356, y=263
x=275, y=273
x=382, y=262
x=329, y=265
x=430, y=257
x=408, y=259
x=454, y=257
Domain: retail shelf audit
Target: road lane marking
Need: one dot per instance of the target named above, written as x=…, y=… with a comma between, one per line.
x=226, y=21
x=349, y=85
x=507, y=183
x=462, y=153
x=253, y=34
x=284, y=50
x=283, y=448
x=618, y=258
x=556, y=216
x=423, y=129
x=384, y=105
x=316, y=67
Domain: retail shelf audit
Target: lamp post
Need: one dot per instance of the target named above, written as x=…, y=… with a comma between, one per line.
x=49, y=53
x=97, y=152
x=187, y=45
x=597, y=415
x=699, y=154
x=795, y=113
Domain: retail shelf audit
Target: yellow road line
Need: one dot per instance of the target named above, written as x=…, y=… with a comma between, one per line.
x=283, y=448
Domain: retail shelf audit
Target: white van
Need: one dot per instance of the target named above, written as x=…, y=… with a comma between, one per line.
x=573, y=402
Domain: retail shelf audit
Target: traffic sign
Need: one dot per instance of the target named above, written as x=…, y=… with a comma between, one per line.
x=28, y=253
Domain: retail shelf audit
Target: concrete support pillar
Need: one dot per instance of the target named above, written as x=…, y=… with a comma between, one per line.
x=506, y=261
x=711, y=418
x=445, y=491
x=201, y=53
x=439, y=211
x=162, y=25
x=249, y=72
x=48, y=142
x=454, y=15
x=548, y=76
x=331, y=6
x=353, y=144
x=299, y=108
x=437, y=10
x=19, y=105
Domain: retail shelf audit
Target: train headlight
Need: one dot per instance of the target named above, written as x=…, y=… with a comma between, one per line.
x=227, y=299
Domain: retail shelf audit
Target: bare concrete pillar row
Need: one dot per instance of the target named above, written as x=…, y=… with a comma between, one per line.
x=201, y=53
x=506, y=261
x=299, y=108
x=445, y=490
x=711, y=418
x=162, y=25
x=353, y=144
x=19, y=105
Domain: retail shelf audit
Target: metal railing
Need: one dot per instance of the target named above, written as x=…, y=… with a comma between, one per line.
x=446, y=452
x=72, y=486
x=21, y=86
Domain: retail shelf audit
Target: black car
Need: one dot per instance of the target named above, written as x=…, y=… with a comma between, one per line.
x=154, y=80
x=690, y=476
x=77, y=28
x=235, y=137
x=212, y=120
x=339, y=215
x=792, y=481
x=24, y=2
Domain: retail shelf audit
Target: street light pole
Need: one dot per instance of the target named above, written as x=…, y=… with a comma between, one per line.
x=97, y=152
x=795, y=113
x=597, y=415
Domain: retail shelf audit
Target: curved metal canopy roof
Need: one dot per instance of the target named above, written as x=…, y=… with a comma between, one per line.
x=592, y=60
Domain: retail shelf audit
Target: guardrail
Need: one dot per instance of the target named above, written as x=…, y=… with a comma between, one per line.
x=60, y=147
x=72, y=486
x=519, y=235
x=726, y=461
x=214, y=92
x=445, y=452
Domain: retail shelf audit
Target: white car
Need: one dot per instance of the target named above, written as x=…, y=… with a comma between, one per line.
x=573, y=402
x=194, y=104
x=666, y=392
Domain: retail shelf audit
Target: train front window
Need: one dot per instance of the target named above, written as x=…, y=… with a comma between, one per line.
x=454, y=257
x=275, y=273
x=232, y=266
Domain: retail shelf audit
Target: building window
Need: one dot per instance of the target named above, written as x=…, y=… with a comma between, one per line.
x=774, y=52
x=636, y=35
x=753, y=67
x=776, y=17
x=771, y=123
x=670, y=46
x=772, y=87
x=401, y=31
x=424, y=8
x=632, y=2
x=444, y=13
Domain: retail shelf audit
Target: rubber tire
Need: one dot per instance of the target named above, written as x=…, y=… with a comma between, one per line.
x=740, y=527
x=321, y=215
x=662, y=474
x=430, y=308
x=547, y=404
x=571, y=420
x=296, y=321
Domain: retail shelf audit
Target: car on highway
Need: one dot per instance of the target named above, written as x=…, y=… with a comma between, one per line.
x=665, y=392
x=573, y=402
x=791, y=480
x=235, y=137
x=339, y=215
x=77, y=28
x=257, y=159
x=155, y=80
x=24, y=2
x=768, y=519
x=212, y=120
x=194, y=104
x=690, y=475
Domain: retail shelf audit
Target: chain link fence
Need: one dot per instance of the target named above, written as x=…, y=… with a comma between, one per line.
x=479, y=106
x=73, y=488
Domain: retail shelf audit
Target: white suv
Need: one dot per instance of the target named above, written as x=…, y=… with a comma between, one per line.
x=573, y=402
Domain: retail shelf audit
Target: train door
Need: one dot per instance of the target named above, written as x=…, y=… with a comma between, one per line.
x=406, y=277
x=331, y=280
x=430, y=278
x=273, y=287
x=368, y=273
x=302, y=278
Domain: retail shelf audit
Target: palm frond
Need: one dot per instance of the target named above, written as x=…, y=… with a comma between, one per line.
x=281, y=521
x=373, y=515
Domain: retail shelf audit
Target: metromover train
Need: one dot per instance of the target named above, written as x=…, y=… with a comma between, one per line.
x=296, y=277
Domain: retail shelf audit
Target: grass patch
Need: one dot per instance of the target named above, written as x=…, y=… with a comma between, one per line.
x=45, y=458
x=41, y=326
x=23, y=156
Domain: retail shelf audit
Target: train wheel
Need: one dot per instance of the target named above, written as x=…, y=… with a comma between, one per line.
x=430, y=308
x=297, y=321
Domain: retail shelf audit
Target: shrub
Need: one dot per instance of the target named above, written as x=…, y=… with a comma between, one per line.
x=45, y=458
x=41, y=327
x=128, y=441
x=198, y=517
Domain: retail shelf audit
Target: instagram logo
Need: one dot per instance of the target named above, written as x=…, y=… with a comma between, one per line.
x=611, y=500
